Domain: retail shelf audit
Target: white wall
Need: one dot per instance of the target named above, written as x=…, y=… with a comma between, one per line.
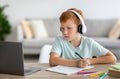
x=93, y=9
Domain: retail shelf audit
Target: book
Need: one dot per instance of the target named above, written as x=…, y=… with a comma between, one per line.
x=114, y=72
x=67, y=70
x=116, y=66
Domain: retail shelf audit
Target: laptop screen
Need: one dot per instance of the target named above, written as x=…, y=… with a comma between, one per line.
x=11, y=58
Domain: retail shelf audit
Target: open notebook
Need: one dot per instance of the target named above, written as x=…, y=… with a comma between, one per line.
x=67, y=70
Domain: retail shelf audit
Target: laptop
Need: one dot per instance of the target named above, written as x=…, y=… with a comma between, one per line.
x=12, y=59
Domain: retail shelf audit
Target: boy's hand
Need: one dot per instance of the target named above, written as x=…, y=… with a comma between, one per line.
x=83, y=63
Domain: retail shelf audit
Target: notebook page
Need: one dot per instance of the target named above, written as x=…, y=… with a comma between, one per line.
x=67, y=70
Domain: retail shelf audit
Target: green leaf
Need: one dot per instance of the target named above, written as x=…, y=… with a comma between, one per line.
x=5, y=27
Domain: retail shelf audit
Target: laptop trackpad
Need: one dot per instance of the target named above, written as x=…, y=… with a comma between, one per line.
x=30, y=70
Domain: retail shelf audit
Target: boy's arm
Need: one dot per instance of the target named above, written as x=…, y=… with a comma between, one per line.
x=56, y=60
x=108, y=59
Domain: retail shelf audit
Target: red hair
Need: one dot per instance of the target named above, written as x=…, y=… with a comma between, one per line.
x=69, y=15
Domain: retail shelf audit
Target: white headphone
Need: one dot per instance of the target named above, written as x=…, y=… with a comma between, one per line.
x=81, y=29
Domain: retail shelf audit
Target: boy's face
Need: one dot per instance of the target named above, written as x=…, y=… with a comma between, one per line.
x=69, y=30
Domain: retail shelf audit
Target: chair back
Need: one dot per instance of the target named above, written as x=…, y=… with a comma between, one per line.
x=44, y=54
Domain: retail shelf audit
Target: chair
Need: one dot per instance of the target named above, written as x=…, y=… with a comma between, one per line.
x=44, y=54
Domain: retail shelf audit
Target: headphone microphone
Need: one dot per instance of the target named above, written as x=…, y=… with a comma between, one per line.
x=82, y=27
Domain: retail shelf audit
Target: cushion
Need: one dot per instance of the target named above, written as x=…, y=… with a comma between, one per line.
x=115, y=31
x=39, y=29
x=27, y=29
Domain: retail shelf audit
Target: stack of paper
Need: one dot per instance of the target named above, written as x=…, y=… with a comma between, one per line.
x=67, y=70
x=115, y=70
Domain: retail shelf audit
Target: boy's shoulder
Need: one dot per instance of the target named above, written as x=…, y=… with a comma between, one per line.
x=87, y=39
x=60, y=38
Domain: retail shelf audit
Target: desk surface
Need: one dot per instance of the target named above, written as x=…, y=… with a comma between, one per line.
x=43, y=74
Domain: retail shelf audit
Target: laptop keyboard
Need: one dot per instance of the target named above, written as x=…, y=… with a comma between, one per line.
x=28, y=70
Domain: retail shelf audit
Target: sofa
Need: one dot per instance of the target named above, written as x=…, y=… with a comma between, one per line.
x=33, y=46
x=99, y=30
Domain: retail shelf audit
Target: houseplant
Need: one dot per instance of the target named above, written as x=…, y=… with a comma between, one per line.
x=5, y=27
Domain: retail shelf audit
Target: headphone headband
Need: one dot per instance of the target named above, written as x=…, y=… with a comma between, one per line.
x=84, y=28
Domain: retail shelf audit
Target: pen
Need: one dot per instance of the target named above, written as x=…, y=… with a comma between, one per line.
x=85, y=72
x=78, y=55
x=104, y=75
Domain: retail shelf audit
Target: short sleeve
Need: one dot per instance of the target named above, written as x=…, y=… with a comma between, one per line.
x=97, y=49
x=56, y=46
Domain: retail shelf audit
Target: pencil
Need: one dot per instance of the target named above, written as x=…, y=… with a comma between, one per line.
x=96, y=74
x=104, y=75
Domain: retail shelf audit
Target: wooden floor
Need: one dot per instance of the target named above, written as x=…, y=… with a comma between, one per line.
x=31, y=58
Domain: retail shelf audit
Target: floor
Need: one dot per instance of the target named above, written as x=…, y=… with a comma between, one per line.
x=31, y=58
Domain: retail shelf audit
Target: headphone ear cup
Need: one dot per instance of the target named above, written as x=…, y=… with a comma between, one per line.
x=80, y=29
